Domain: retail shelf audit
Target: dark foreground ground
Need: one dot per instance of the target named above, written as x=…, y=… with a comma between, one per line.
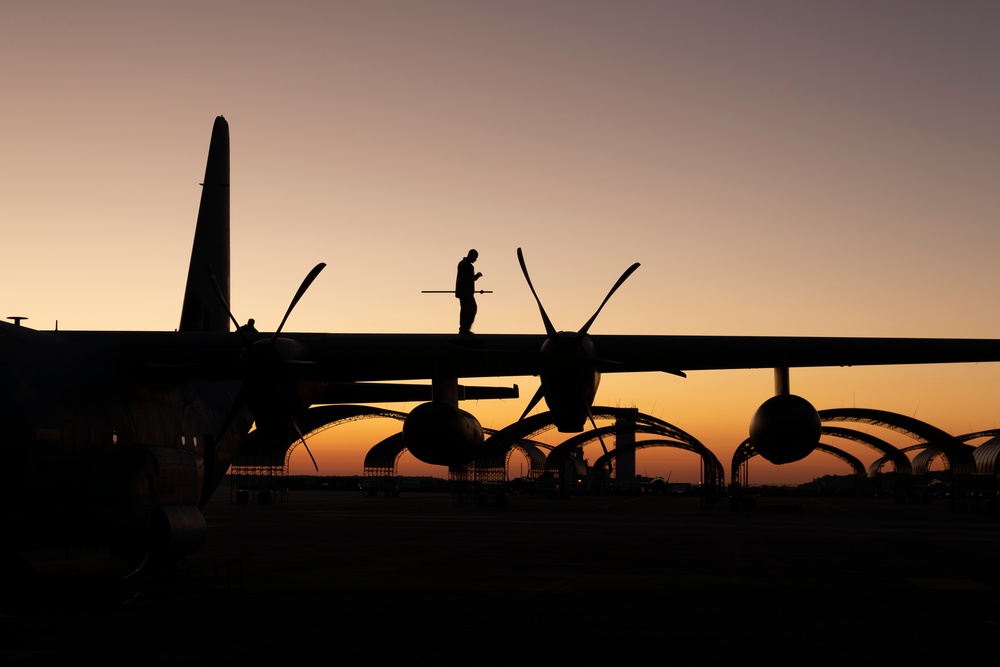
x=417, y=579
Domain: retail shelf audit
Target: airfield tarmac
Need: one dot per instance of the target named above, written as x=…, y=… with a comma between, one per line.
x=421, y=579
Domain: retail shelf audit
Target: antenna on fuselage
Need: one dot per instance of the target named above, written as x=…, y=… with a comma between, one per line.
x=17, y=319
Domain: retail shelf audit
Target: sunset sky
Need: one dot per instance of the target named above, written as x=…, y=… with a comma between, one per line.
x=776, y=167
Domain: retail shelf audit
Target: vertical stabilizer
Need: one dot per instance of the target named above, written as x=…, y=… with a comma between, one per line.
x=202, y=310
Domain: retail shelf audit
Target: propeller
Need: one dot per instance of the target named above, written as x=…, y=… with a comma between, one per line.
x=568, y=368
x=262, y=365
x=569, y=365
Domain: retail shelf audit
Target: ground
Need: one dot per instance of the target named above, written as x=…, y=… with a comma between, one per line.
x=421, y=578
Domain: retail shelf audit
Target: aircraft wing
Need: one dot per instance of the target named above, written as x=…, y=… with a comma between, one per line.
x=395, y=357
x=385, y=357
x=694, y=353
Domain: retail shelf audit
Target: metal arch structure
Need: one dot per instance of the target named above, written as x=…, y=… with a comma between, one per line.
x=382, y=460
x=875, y=466
x=957, y=454
x=257, y=469
x=571, y=444
x=890, y=453
x=263, y=462
x=277, y=450
x=894, y=421
x=713, y=479
x=983, y=482
x=322, y=417
x=534, y=425
x=740, y=470
x=925, y=456
x=746, y=451
x=499, y=457
x=713, y=475
x=524, y=429
x=381, y=463
x=975, y=435
x=856, y=464
x=490, y=467
x=568, y=469
x=641, y=418
x=987, y=456
x=485, y=479
x=563, y=453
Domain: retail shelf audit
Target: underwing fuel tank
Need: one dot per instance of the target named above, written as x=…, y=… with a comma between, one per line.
x=441, y=434
x=786, y=428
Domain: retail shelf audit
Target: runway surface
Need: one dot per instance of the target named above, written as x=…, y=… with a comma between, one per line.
x=420, y=579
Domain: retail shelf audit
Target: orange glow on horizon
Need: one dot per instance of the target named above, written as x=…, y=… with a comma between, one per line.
x=715, y=407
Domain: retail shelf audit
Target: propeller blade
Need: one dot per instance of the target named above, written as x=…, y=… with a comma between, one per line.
x=549, y=329
x=222, y=300
x=532, y=403
x=629, y=271
x=298, y=295
x=243, y=398
x=295, y=425
x=208, y=461
x=238, y=404
x=593, y=423
x=209, y=464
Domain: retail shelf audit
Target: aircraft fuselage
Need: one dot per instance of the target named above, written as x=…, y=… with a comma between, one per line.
x=94, y=449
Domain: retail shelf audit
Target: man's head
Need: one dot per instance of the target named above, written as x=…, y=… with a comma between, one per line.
x=473, y=255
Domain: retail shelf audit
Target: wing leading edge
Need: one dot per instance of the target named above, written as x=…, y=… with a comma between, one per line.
x=395, y=357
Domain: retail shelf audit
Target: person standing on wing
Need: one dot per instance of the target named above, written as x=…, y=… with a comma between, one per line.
x=465, y=291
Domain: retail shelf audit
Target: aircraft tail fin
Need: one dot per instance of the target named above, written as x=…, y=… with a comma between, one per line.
x=202, y=310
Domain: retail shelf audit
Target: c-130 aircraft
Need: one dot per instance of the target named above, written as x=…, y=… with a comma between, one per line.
x=120, y=438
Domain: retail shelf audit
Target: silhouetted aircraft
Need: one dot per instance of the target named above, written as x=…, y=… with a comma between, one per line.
x=120, y=438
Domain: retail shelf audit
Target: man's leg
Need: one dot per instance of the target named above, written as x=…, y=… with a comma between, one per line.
x=468, y=314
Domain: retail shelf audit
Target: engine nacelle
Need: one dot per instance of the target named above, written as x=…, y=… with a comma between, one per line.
x=568, y=403
x=177, y=530
x=569, y=380
x=158, y=536
x=271, y=387
x=786, y=428
x=441, y=434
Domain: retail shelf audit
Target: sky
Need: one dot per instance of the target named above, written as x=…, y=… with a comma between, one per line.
x=776, y=167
